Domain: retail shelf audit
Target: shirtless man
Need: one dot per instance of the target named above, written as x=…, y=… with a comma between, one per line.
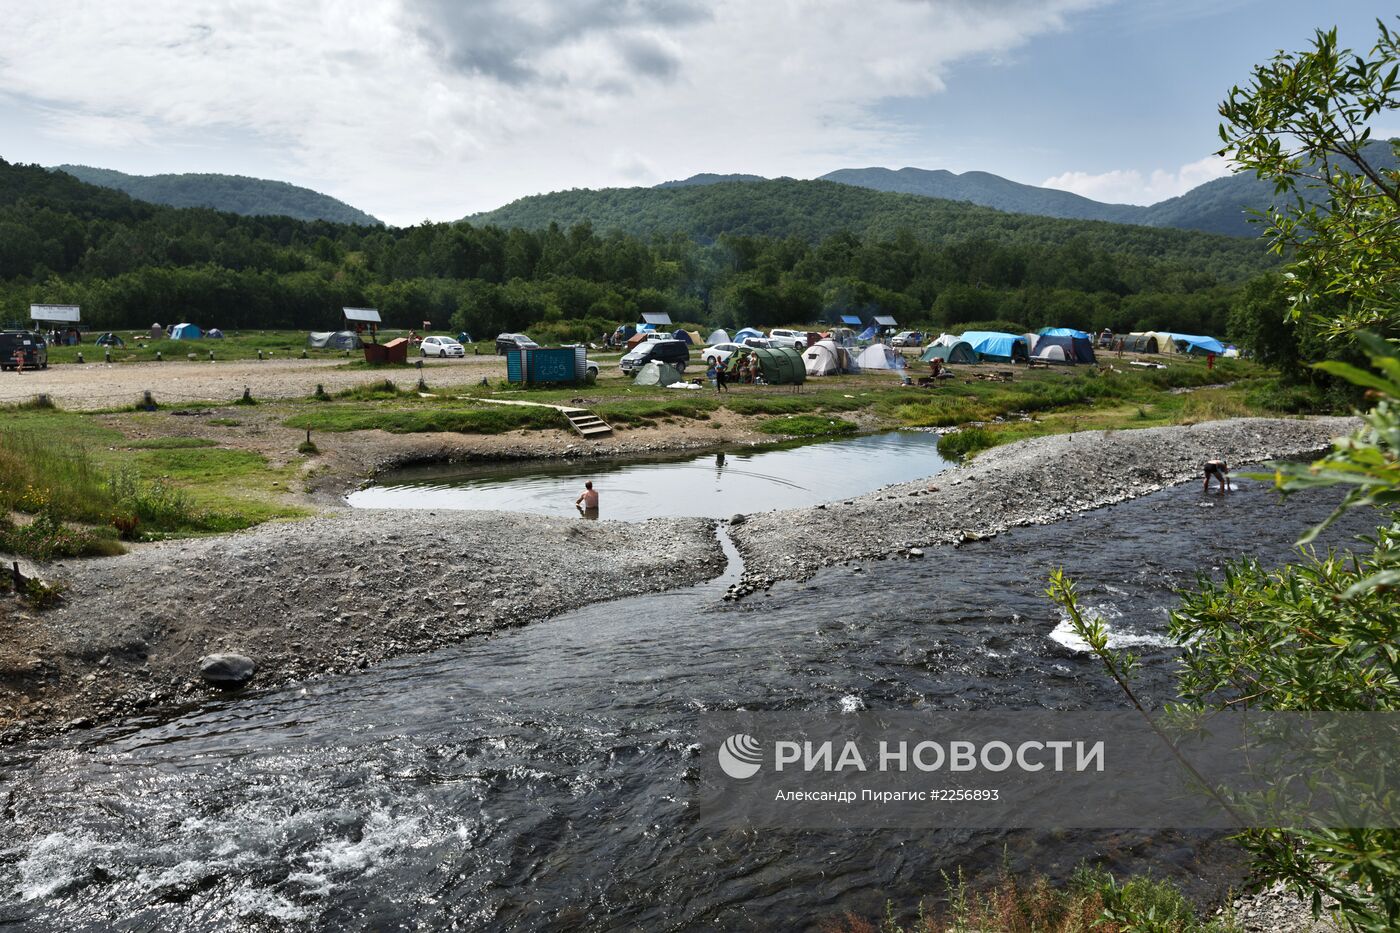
x=1221, y=471
x=587, y=500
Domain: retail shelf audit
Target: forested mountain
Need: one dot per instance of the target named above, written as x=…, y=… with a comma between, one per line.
x=708, y=178
x=929, y=263
x=236, y=194
x=813, y=210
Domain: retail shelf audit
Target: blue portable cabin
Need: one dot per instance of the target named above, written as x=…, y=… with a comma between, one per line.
x=997, y=347
x=546, y=365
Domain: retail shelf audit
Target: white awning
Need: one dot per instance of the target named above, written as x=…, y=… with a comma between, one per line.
x=884, y=320
x=363, y=315
x=656, y=317
x=66, y=313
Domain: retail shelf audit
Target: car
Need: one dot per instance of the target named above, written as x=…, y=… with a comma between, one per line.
x=781, y=337
x=23, y=347
x=908, y=338
x=591, y=368
x=758, y=343
x=441, y=346
x=506, y=342
x=675, y=352
x=720, y=352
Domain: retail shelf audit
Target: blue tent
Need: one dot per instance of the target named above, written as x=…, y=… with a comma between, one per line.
x=747, y=332
x=214, y=333
x=186, y=332
x=996, y=346
x=683, y=337
x=645, y=328
x=1080, y=343
x=869, y=333
x=1198, y=344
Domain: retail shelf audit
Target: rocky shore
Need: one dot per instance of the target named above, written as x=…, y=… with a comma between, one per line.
x=1037, y=481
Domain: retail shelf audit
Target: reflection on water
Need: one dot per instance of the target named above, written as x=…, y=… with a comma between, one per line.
x=539, y=779
x=712, y=485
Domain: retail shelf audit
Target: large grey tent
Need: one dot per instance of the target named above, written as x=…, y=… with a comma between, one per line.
x=1139, y=343
x=334, y=340
x=656, y=373
x=781, y=365
x=719, y=336
x=879, y=356
x=825, y=358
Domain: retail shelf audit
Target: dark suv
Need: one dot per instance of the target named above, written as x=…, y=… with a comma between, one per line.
x=27, y=344
x=675, y=352
x=506, y=342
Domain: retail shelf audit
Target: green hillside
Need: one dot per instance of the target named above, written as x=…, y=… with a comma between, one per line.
x=236, y=194
x=813, y=210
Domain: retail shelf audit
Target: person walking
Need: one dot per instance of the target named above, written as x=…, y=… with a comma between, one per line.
x=722, y=376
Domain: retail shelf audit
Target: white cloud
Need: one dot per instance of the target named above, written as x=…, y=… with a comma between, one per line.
x=1130, y=186
x=430, y=108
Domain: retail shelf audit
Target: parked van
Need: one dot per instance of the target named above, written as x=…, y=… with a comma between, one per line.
x=675, y=352
x=23, y=344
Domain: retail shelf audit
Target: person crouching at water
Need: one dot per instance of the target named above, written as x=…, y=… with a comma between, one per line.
x=587, y=501
x=1221, y=471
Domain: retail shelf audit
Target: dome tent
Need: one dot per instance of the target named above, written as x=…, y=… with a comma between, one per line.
x=1051, y=353
x=879, y=356
x=682, y=336
x=339, y=340
x=825, y=358
x=1079, y=346
x=998, y=347
x=655, y=373
x=960, y=351
x=747, y=332
x=186, y=332
x=719, y=336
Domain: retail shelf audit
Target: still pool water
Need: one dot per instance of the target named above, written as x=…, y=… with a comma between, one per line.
x=751, y=480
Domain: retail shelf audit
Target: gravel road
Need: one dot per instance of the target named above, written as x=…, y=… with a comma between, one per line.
x=97, y=385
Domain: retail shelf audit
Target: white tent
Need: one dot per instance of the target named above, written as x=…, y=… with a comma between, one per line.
x=946, y=340
x=825, y=358
x=1030, y=342
x=719, y=336
x=1165, y=343
x=1050, y=353
x=879, y=356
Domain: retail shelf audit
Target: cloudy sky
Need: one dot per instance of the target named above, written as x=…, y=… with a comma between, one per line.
x=433, y=109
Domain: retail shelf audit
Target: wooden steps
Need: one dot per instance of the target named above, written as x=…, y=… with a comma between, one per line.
x=587, y=424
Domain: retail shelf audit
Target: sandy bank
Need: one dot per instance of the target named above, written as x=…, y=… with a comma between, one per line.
x=1031, y=482
x=323, y=595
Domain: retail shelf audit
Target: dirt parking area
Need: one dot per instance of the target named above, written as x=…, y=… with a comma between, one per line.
x=91, y=386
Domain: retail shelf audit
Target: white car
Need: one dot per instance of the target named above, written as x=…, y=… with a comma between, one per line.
x=441, y=346
x=759, y=343
x=720, y=352
x=797, y=339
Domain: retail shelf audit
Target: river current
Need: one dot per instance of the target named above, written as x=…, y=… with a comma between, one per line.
x=537, y=779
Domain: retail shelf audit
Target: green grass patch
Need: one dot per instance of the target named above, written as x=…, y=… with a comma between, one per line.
x=377, y=391
x=965, y=443
x=807, y=426
x=486, y=420
x=169, y=443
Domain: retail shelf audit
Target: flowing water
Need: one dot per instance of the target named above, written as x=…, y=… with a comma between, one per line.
x=752, y=480
x=537, y=779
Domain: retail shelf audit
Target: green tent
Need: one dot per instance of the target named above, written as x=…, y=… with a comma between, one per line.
x=781, y=366
x=960, y=352
x=656, y=373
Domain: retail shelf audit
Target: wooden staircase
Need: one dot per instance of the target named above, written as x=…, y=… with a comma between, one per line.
x=587, y=424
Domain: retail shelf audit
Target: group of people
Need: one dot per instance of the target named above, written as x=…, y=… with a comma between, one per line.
x=748, y=371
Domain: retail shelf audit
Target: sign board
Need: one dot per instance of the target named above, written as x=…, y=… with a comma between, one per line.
x=363, y=315
x=67, y=313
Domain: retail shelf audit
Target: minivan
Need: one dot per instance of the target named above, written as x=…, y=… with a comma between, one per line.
x=675, y=352
x=26, y=345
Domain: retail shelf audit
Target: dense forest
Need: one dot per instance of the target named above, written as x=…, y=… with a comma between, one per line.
x=129, y=263
x=236, y=194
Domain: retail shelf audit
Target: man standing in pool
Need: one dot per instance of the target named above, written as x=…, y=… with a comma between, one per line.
x=1221, y=471
x=587, y=501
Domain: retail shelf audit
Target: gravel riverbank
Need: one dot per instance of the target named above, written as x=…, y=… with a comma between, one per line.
x=1032, y=482
x=325, y=595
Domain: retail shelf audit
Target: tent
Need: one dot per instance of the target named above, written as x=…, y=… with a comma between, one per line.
x=879, y=356
x=1139, y=343
x=998, y=347
x=747, y=332
x=1200, y=345
x=869, y=333
x=1165, y=344
x=645, y=328
x=335, y=340
x=186, y=332
x=682, y=336
x=719, y=336
x=656, y=373
x=1078, y=346
x=1051, y=353
x=214, y=333
x=781, y=366
x=825, y=358
x=695, y=338
x=1232, y=352
x=945, y=340
x=960, y=351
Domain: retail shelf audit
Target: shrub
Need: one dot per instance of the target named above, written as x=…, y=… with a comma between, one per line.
x=807, y=426
x=959, y=444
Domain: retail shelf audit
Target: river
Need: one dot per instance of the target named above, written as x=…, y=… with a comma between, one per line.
x=537, y=779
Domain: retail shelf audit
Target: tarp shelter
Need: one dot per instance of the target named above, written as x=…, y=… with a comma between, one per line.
x=657, y=318
x=682, y=336
x=645, y=329
x=1081, y=345
x=719, y=336
x=186, y=332
x=333, y=340
x=66, y=314
x=960, y=351
x=214, y=333
x=826, y=358
x=1200, y=345
x=884, y=320
x=1139, y=343
x=869, y=333
x=747, y=332
x=656, y=373
x=850, y=320
x=879, y=356
x=998, y=347
x=781, y=366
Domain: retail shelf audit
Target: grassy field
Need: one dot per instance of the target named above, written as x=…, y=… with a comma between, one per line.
x=242, y=345
x=79, y=483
